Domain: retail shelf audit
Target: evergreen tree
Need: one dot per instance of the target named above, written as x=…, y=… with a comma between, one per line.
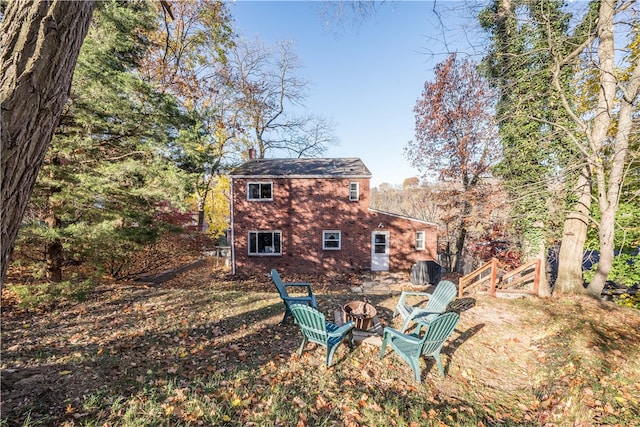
x=40, y=42
x=106, y=172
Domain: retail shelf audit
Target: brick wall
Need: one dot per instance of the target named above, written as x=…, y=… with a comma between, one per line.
x=302, y=208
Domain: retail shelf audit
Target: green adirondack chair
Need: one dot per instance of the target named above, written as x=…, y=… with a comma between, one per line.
x=315, y=328
x=444, y=293
x=281, y=286
x=412, y=346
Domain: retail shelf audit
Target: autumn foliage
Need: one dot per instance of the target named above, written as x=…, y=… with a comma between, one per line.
x=455, y=138
x=456, y=143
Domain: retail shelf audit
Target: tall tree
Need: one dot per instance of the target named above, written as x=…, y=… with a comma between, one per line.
x=536, y=156
x=456, y=138
x=40, y=43
x=104, y=176
x=597, y=129
x=268, y=89
x=188, y=61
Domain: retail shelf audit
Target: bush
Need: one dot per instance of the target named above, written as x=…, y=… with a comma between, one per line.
x=632, y=301
x=41, y=294
x=625, y=270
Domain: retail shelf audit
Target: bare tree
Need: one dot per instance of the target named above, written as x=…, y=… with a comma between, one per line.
x=268, y=88
x=40, y=46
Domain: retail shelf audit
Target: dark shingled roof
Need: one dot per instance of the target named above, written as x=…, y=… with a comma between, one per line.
x=303, y=168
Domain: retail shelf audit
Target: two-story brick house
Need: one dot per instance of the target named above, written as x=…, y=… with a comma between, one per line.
x=313, y=216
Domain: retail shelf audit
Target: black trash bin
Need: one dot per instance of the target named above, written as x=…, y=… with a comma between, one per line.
x=426, y=272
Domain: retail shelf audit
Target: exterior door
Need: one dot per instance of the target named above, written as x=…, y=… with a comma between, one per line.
x=380, y=251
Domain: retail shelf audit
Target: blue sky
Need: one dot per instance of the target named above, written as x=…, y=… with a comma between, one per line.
x=365, y=77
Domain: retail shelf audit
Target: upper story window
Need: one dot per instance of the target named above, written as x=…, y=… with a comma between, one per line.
x=420, y=240
x=260, y=191
x=331, y=239
x=354, y=191
x=265, y=243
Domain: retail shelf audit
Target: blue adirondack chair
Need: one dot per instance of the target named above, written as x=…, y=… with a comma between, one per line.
x=281, y=286
x=315, y=328
x=437, y=303
x=411, y=347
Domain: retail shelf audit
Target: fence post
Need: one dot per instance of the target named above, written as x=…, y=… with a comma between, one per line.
x=494, y=275
x=536, y=279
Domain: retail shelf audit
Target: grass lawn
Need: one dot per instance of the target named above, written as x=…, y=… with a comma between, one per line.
x=207, y=348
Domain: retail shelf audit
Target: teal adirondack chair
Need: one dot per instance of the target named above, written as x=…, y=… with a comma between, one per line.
x=412, y=346
x=281, y=286
x=315, y=328
x=444, y=293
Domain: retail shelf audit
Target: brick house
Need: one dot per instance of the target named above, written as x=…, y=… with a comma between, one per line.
x=313, y=216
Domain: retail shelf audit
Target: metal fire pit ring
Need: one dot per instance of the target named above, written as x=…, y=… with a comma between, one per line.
x=359, y=312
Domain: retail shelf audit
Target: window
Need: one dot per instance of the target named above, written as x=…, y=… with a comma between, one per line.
x=331, y=240
x=354, y=191
x=420, y=240
x=259, y=191
x=265, y=243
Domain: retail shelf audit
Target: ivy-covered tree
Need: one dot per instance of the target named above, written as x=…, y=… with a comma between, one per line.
x=535, y=38
x=456, y=138
x=536, y=155
x=106, y=172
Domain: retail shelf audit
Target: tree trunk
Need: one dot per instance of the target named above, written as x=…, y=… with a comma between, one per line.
x=459, y=261
x=574, y=235
x=53, y=250
x=54, y=257
x=609, y=187
x=201, y=202
x=40, y=45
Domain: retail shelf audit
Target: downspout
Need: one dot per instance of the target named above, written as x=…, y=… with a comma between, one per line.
x=233, y=237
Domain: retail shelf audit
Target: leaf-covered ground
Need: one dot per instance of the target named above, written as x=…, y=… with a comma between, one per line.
x=206, y=348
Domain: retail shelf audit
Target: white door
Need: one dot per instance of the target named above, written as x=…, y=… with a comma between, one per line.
x=380, y=251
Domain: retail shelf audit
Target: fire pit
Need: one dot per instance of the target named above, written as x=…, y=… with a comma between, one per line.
x=360, y=312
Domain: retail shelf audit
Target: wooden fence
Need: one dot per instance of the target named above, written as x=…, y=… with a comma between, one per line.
x=523, y=280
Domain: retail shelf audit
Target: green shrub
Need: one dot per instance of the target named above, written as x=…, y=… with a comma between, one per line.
x=632, y=301
x=625, y=270
x=42, y=294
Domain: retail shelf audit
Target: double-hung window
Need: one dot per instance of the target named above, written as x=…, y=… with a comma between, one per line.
x=265, y=243
x=420, y=240
x=331, y=240
x=260, y=191
x=354, y=191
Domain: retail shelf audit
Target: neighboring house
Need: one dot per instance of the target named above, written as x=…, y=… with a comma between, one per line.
x=313, y=216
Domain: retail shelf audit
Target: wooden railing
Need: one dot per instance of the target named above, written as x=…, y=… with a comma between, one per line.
x=523, y=280
x=486, y=274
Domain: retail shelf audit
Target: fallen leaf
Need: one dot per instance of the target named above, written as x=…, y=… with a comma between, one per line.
x=298, y=401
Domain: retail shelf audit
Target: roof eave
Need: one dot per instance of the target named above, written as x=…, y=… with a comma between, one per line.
x=302, y=176
x=403, y=217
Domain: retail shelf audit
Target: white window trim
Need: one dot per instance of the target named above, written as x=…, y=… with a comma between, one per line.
x=424, y=241
x=259, y=199
x=263, y=253
x=324, y=240
x=357, y=190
